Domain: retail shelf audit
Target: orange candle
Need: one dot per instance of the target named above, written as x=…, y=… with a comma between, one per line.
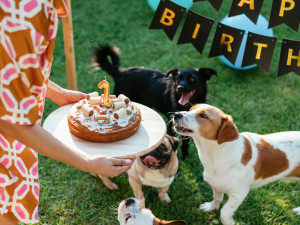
x=104, y=84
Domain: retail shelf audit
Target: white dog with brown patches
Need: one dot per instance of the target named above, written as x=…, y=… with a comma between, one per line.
x=130, y=213
x=236, y=162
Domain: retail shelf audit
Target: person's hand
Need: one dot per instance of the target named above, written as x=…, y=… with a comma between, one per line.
x=63, y=96
x=108, y=166
x=69, y=96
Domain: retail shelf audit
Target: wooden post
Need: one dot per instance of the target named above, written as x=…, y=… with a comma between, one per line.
x=69, y=48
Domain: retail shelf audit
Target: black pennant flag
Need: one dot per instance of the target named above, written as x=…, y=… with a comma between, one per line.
x=289, y=57
x=250, y=8
x=285, y=11
x=167, y=17
x=195, y=30
x=227, y=42
x=215, y=3
x=259, y=50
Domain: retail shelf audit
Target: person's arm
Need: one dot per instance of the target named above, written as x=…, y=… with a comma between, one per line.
x=62, y=96
x=43, y=142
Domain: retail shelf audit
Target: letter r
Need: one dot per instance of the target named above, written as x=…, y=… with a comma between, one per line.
x=226, y=40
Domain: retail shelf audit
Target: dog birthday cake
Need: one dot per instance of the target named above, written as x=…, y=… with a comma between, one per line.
x=104, y=118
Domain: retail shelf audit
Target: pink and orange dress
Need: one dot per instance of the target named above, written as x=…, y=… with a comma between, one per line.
x=27, y=36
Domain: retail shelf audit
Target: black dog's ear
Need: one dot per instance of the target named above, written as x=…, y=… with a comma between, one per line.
x=172, y=72
x=174, y=142
x=207, y=72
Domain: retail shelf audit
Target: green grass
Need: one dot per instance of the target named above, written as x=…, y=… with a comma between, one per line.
x=258, y=101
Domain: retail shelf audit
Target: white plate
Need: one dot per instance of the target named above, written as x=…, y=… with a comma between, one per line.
x=149, y=135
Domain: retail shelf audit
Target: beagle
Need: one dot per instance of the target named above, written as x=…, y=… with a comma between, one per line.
x=130, y=213
x=236, y=162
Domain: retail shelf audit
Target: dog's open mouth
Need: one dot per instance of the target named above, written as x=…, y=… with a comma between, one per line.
x=152, y=162
x=185, y=97
x=182, y=129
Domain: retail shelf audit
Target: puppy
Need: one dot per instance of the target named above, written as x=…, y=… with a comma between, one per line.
x=236, y=162
x=176, y=90
x=130, y=213
x=155, y=169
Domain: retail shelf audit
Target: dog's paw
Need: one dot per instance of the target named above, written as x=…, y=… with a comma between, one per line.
x=209, y=206
x=297, y=210
x=227, y=221
x=107, y=182
x=165, y=198
x=112, y=186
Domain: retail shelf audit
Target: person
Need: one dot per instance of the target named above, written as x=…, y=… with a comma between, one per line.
x=27, y=36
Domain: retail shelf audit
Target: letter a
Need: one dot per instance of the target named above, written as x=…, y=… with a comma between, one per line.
x=167, y=15
x=250, y=2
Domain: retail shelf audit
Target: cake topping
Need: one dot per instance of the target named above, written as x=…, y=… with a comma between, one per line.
x=95, y=100
x=93, y=94
x=118, y=105
x=120, y=113
x=123, y=98
x=101, y=117
x=87, y=111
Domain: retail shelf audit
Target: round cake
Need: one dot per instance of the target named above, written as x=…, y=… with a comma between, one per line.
x=90, y=120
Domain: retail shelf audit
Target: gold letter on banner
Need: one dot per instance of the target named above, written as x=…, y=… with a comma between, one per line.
x=290, y=57
x=284, y=8
x=250, y=2
x=259, y=49
x=228, y=42
x=196, y=31
x=169, y=15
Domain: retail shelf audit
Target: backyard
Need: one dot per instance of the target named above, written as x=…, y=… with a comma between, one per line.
x=259, y=102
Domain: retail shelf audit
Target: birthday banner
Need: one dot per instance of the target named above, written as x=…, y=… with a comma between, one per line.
x=227, y=40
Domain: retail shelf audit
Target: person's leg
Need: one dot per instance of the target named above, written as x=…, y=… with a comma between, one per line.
x=4, y=221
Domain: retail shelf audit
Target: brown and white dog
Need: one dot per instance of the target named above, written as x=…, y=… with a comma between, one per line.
x=236, y=162
x=130, y=213
x=155, y=169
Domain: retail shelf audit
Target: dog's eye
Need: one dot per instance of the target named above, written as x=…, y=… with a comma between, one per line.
x=192, y=79
x=203, y=116
x=128, y=216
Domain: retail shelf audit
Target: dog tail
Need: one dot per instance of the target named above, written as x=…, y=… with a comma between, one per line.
x=107, y=57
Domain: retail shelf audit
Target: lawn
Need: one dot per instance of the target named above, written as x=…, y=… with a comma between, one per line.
x=258, y=101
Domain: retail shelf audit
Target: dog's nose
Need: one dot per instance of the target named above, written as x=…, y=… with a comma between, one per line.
x=178, y=115
x=180, y=88
x=129, y=202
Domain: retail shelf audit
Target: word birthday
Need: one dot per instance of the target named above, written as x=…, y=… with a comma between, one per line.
x=227, y=40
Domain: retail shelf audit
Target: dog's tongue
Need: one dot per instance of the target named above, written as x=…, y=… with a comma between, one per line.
x=151, y=160
x=185, y=98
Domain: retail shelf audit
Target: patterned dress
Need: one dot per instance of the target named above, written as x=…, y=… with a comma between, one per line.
x=27, y=35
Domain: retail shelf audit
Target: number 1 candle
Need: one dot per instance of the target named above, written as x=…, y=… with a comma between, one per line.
x=104, y=84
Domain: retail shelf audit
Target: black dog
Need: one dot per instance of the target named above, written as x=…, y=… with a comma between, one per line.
x=176, y=90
